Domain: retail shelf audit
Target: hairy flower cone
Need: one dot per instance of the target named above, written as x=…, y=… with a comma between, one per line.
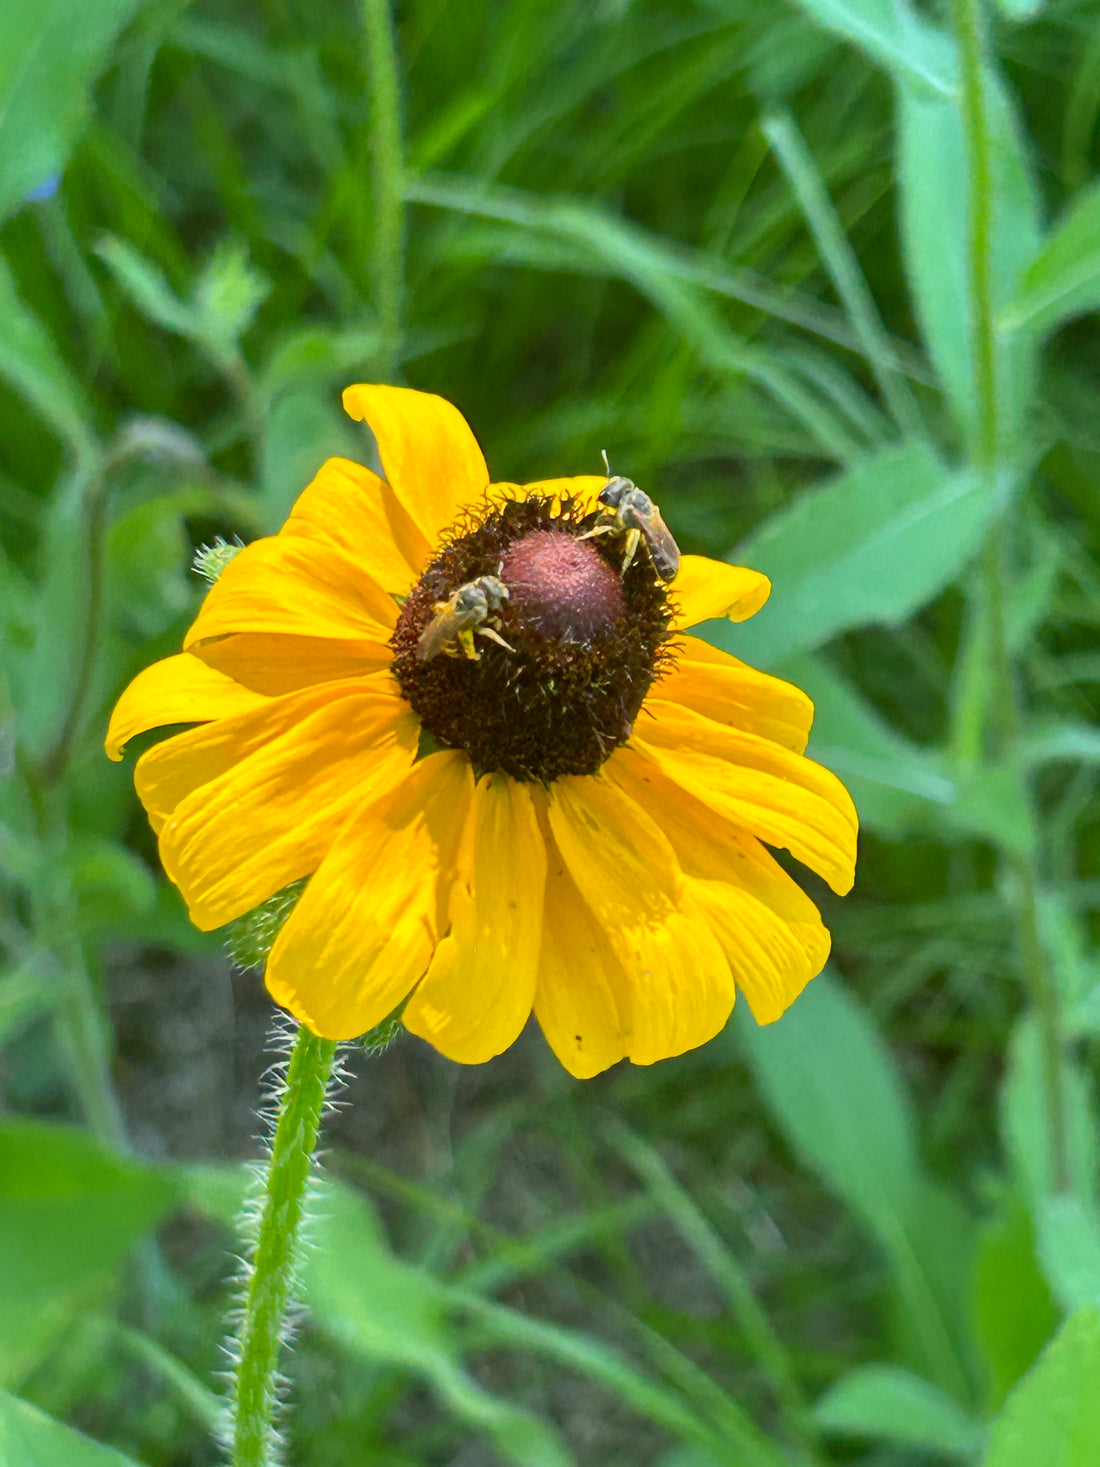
x=572, y=821
x=583, y=643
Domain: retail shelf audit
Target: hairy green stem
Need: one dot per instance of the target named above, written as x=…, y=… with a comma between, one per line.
x=277, y=1246
x=968, y=24
x=1002, y=728
x=388, y=173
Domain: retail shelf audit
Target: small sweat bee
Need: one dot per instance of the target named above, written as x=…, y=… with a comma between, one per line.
x=630, y=511
x=465, y=613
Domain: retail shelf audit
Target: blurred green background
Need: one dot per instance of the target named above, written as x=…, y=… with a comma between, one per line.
x=819, y=280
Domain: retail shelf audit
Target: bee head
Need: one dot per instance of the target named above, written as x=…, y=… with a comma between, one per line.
x=613, y=492
x=496, y=592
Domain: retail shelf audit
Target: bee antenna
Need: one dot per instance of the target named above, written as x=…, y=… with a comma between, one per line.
x=607, y=466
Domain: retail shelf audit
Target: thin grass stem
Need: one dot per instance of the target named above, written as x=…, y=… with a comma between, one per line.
x=1002, y=728
x=388, y=175
x=842, y=264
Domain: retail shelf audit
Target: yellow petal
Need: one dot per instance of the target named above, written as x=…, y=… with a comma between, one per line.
x=365, y=928
x=287, y=584
x=770, y=931
x=718, y=686
x=352, y=510
x=431, y=458
x=478, y=991
x=270, y=818
x=275, y=663
x=679, y=983
x=704, y=589
x=165, y=775
x=582, y=994
x=785, y=799
x=176, y=690
x=584, y=488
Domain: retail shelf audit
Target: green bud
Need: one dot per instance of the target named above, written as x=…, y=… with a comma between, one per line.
x=382, y=1035
x=210, y=560
x=252, y=936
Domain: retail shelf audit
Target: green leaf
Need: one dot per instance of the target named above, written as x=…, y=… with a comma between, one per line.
x=832, y=1086
x=26, y=992
x=721, y=1436
x=1069, y=1246
x=889, y=1404
x=228, y=293
x=1012, y=1312
x=32, y=366
x=50, y=53
x=890, y=33
x=1064, y=279
x=69, y=1213
x=30, y=1438
x=383, y=1310
x=1052, y=1418
x=935, y=234
x=109, y=883
x=991, y=802
x=148, y=586
x=869, y=547
x=301, y=429
x=1024, y=1119
x=316, y=354
x=147, y=288
x=897, y=786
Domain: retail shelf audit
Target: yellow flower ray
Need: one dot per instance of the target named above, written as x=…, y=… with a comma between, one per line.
x=680, y=987
x=431, y=459
x=365, y=928
x=480, y=985
x=271, y=817
x=179, y=689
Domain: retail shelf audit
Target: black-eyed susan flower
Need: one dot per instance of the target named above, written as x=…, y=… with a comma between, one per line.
x=512, y=780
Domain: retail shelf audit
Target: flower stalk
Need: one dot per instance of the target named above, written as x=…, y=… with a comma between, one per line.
x=273, y=1264
x=388, y=176
x=1002, y=728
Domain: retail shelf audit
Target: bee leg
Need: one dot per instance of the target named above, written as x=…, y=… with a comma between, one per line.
x=607, y=527
x=495, y=637
x=633, y=540
x=466, y=641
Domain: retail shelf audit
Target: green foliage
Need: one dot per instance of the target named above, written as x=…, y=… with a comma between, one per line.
x=890, y=1404
x=51, y=54
x=1063, y=280
x=252, y=936
x=1054, y=1413
x=392, y=1312
x=1013, y=1312
x=865, y=550
x=29, y=1438
x=69, y=1214
x=749, y=251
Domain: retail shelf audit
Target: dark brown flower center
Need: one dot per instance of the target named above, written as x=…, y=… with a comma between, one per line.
x=564, y=660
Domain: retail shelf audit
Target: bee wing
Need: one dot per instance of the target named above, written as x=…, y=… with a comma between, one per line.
x=443, y=628
x=662, y=547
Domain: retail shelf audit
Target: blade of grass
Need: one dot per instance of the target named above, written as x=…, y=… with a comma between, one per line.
x=594, y=229
x=724, y=1268
x=841, y=261
x=741, y=1445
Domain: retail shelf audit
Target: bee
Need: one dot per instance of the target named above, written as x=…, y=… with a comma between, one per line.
x=629, y=511
x=465, y=613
